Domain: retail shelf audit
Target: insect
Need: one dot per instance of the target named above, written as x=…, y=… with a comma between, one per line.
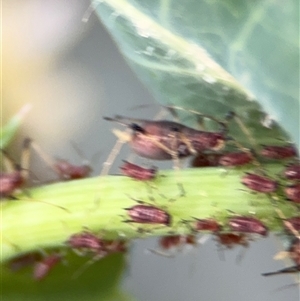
x=137, y=172
x=278, y=152
x=295, y=222
x=148, y=214
x=205, y=160
x=63, y=168
x=229, y=240
x=292, y=172
x=168, y=242
x=259, y=183
x=292, y=192
x=23, y=261
x=162, y=139
x=235, y=159
x=42, y=268
x=206, y=225
x=86, y=241
x=17, y=175
x=245, y=224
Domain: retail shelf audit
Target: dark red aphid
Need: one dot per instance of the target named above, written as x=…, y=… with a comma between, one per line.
x=293, y=193
x=278, y=152
x=42, y=268
x=205, y=160
x=235, y=159
x=229, y=240
x=295, y=222
x=9, y=182
x=292, y=172
x=294, y=250
x=259, y=183
x=245, y=224
x=147, y=214
x=68, y=171
x=137, y=172
x=23, y=261
x=206, y=225
x=159, y=140
x=85, y=240
x=168, y=242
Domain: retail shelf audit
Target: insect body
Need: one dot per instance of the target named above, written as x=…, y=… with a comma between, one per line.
x=68, y=171
x=292, y=172
x=42, y=268
x=148, y=214
x=293, y=193
x=235, y=159
x=206, y=225
x=9, y=182
x=245, y=224
x=259, y=183
x=229, y=240
x=168, y=242
x=278, y=152
x=85, y=240
x=137, y=172
x=158, y=140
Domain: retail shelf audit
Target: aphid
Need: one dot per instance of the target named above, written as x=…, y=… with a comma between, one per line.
x=278, y=152
x=163, y=139
x=85, y=240
x=235, y=159
x=64, y=169
x=115, y=246
x=293, y=193
x=206, y=225
x=168, y=242
x=229, y=240
x=245, y=224
x=259, y=183
x=295, y=222
x=68, y=171
x=148, y=214
x=292, y=172
x=288, y=270
x=42, y=268
x=23, y=261
x=18, y=174
x=205, y=160
x=137, y=172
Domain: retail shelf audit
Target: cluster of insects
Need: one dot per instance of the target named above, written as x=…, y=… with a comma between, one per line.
x=169, y=140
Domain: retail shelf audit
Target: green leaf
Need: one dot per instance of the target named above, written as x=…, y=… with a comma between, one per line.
x=9, y=130
x=215, y=57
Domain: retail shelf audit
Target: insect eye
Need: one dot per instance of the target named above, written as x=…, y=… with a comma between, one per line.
x=137, y=128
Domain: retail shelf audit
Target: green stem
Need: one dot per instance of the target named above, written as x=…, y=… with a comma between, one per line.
x=98, y=204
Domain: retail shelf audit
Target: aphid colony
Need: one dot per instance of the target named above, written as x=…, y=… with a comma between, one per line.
x=168, y=140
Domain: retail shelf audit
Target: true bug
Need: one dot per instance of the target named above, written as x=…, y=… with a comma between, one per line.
x=168, y=242
x=63, y=168
x=148, y=214
x=278, y=152
x=42, y=268
x=137, y=172
x=259, y=183
x=235, y=159
x=85, y=241
x=206, y=225
x=292, y=172
x=23, y=261
x=229, y=240
x=293, y=192
x=17, y=175
x=205, y=160
x=295, y=222
x=244, y=224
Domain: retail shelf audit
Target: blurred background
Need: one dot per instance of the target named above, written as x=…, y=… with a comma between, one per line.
x=72, y=75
